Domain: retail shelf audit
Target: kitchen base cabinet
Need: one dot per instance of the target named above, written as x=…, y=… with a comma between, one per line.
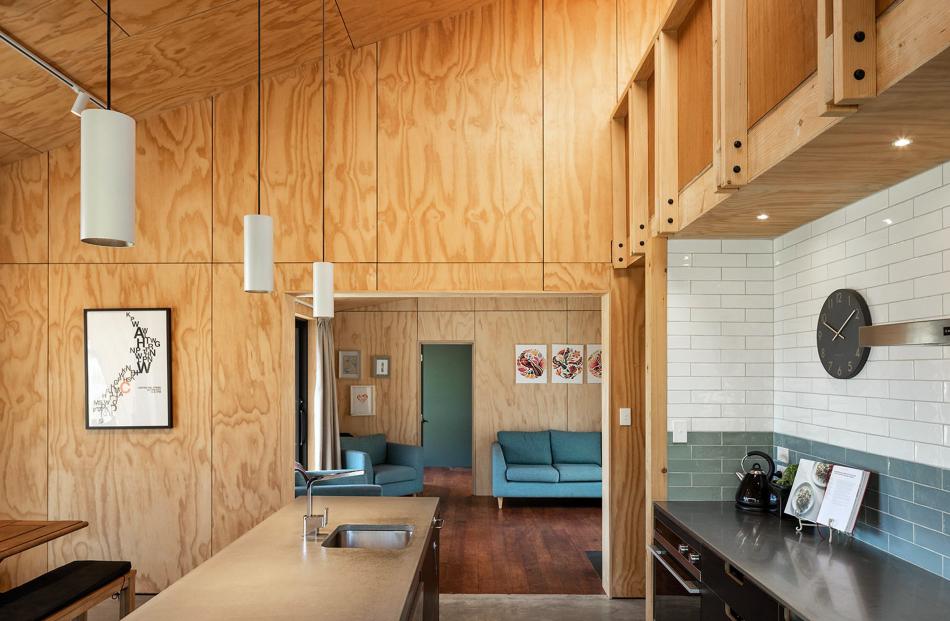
x=423, y=603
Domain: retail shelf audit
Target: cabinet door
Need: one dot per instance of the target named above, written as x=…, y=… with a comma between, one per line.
x=430, y=572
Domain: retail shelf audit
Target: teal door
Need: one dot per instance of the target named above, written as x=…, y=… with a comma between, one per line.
x=447, y=405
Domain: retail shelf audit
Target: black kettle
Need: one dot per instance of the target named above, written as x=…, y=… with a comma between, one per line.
x=754, y=493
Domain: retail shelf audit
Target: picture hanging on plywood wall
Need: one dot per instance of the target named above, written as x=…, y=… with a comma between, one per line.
x=531, y=364
x=128, y=368
x=595, y=363
x=567, y=364
x=362, y=402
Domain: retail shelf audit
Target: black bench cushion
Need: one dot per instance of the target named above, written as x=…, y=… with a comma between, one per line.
x=57, y=589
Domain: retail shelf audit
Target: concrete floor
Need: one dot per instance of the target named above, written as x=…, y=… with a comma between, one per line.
x=494, y=608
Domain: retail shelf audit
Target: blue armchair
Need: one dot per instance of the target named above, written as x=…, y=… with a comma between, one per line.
x=349, y=486
x=396, y=468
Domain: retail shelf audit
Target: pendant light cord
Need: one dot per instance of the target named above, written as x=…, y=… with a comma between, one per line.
x=259, y=98
x=108, y=54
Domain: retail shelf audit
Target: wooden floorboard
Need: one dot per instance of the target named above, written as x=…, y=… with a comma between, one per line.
x=532, y=546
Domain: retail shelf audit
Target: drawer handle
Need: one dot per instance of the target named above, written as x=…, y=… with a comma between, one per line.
x=734, y=574
x=438, y=523
x=730, y=614
x=691, y=587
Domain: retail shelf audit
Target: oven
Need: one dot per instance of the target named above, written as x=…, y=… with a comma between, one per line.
x=677, y=590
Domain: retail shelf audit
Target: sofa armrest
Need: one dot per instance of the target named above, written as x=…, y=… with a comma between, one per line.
x=498, y=469
x=358, y=460
x=405, y=455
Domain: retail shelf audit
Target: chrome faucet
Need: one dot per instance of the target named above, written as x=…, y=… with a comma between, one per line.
x=308, y=516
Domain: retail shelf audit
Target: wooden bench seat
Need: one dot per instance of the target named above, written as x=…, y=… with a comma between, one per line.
x=69, y=591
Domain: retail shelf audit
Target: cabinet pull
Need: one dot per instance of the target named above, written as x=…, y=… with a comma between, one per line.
x=438, y=522
x=734, y=574
x=691, y=587
x=732, y=616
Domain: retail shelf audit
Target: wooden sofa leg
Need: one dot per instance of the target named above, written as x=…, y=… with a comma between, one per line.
x=127, y=595
x=500, y=501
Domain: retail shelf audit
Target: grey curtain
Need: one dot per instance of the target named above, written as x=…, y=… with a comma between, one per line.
x=327, y=425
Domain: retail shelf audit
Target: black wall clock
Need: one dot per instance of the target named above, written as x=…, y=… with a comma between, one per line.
x=837, y=334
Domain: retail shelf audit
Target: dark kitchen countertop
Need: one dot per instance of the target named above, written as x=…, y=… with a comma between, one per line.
x=845, y=580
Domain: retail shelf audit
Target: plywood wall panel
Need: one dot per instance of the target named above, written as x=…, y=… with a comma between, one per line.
x=584, y=400
x=576, y=277
x=248, y=468
x=516, y=303
x=446, y=304
x=24, y=211
x=235, y=169
x=23, y=409
x=452, y=277
x=447, y=326
x=172, y=193
x=579, y=76
x=460, y=138
x=624, y=525
x=510, y=406
x=292, y=174
x=392, y=334
x=145, y=494
x=783, y=50
x=351, y=156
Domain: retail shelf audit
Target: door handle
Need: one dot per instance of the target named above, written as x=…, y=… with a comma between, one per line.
x=691, y=587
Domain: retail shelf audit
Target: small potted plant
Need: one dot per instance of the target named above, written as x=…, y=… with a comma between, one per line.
x=782, y=486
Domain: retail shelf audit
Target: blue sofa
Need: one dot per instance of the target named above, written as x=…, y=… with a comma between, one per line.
x=546, y=464
x=396, y=468
x=349, y=486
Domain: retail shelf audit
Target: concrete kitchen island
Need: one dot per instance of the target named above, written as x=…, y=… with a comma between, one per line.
x=273, y=573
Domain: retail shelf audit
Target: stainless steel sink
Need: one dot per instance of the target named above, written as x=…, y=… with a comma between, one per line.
x=374, y=536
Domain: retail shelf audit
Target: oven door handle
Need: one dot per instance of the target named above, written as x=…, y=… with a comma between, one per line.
x=691, y=587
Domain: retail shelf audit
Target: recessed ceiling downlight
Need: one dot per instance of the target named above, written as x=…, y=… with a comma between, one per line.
x=901, y=142
x=762, y=216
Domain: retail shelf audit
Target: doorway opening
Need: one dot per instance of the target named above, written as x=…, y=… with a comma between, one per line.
x=301, y=389
x=447, y=405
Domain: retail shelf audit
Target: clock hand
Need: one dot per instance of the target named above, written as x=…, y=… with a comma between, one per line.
x=846, y=323
x=833, y=336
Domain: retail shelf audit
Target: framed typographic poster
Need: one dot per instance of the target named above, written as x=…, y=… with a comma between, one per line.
x=128, y=368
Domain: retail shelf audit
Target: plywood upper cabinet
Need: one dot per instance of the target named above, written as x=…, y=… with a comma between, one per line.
x=172, y=193
x=24, y=211
x=460, y=138
x=694, y=107
x=783, y=50
x=579, y=78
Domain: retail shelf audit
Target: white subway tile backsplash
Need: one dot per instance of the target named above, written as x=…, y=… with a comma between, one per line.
x=743, y=314
x=915, y=186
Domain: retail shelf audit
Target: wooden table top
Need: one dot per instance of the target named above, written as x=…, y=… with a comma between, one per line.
x=19, y=535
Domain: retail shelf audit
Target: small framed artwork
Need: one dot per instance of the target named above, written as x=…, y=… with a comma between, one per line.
x=595, y=363
x=349, y=364
x=531, y=364
x=128, y=368
x=362, y=402
x=380, y=366
x=567, y=364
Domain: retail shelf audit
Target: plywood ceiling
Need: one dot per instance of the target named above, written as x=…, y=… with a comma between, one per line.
x=169, y=52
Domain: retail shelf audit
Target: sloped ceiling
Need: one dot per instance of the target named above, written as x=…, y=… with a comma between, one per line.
x=169, y=52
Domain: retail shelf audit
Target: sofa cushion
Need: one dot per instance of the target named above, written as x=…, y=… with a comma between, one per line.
x=374, y=445
x=526, y=447
x=580, y=473
x=532, y=474
x=389, y=473
x=576, y=447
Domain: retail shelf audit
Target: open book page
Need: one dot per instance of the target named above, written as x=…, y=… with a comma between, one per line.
x=843, y=498
x=808, y=489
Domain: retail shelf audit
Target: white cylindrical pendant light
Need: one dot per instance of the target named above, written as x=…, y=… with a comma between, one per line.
x=107, y=174
x=323, y=289
x=258, y=253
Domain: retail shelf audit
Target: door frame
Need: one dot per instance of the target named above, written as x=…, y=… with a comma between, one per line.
x=470, y=343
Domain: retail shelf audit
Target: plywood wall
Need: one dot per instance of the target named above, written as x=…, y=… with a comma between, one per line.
x=494, y=326
x=421, y=166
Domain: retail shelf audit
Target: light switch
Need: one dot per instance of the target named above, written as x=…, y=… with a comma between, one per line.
x=782, y=454
x=679, y=431
x=625, y=417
